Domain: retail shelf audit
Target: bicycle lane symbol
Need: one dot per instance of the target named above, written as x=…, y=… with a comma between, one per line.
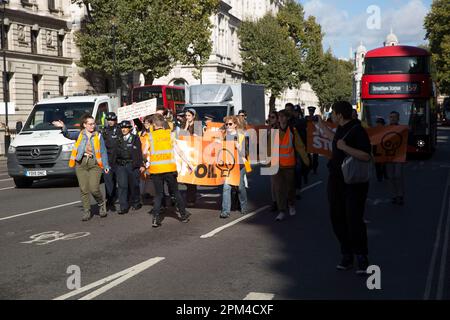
x=47, y=237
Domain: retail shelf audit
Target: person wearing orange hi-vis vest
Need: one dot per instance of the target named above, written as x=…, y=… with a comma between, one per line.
x=90, y=159
x=163, y=168
x=284, y=181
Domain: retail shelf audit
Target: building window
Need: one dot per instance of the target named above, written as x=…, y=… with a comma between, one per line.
x=52, y=6
x=34, y=40
x=62, y=82
x=60, y=45
x=36, y=79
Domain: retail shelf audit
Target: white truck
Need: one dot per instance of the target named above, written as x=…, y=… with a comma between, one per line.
x=220, y=100
x=40, y=150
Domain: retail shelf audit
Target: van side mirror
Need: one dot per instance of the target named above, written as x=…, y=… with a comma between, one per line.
x=19, y=126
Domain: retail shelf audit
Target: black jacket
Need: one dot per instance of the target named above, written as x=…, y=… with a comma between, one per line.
x=111, y=135
x=134, y=150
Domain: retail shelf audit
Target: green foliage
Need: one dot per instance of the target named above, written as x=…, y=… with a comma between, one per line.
x=151, y=35
x=437, y=25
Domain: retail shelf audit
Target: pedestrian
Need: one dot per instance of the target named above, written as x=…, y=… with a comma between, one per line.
x=163, y=168
x=314, y=157
x=111, y=134
x=90, y=159
x=242, y=114
x=347, y=201
x=130, y=164
x=232, y=134
x=380, y=168
x=395, y=170
x=284, y=180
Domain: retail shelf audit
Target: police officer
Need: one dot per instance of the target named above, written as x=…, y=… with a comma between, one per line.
x=111, y=134
x=130, y=163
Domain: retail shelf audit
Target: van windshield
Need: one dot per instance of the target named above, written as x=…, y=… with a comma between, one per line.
x=43, y=115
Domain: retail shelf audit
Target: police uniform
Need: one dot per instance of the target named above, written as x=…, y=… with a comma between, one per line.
x=111, y=135
x=128, y=159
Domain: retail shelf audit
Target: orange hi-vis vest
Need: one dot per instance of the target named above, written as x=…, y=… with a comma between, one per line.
x=98, y=155
x=162, y=158
x=287, y=150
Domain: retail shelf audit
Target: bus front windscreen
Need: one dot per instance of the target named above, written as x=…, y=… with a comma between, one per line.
x=413, y=112
x=43, y=115
x=147, y=93
x=396, y=65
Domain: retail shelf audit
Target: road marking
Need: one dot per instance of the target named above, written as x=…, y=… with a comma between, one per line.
x=429, y=283
x=440, y=289
x=210, y=195
x=7, y=188
x=47, y=237
x=259, y=296
x=118, y=278
x=217, y=230
x=232, y=223
x=9, y=179
x=40, y=210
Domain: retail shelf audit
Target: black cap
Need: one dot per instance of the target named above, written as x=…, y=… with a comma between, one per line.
x=209, y=117
x=125, y=124
x=311, y=108
x=297, y=108
x=111, y=116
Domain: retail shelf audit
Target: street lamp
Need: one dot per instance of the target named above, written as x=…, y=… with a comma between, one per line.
x=5, y=82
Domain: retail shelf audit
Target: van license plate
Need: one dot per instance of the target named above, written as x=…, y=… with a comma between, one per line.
x=36, y=173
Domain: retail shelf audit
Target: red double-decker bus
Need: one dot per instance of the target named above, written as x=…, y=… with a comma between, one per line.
x=398, y=78
x=171, y=97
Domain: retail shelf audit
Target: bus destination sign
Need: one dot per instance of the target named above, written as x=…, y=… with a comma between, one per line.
x=394, y=88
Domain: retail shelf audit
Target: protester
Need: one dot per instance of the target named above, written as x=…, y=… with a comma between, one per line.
x=395, y=170
x=242, y=114
x=232, y=134
x=189, y=127
x=130, y=164
x=284, y=180
x=313, y=157
x=380, y=168
x=347, y=201
x=273, y=124
x=145, y=181
x=111, y=134
x=90, y=158
x=162, y=146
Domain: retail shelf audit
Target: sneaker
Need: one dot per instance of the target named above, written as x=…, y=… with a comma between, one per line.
x=224, y=215
x=244, y=212
x=111, y=208
x=280, y=216
x=346, y=262
x=155, y=222
x=123, y=211
x=292, y=211
x=363, y=264
x=274, y=207
x=137, y=207
x=102, y=207
x=185, y=217
x=86, y=216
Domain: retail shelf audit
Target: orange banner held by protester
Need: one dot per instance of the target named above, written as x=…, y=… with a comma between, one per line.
x=214, y=162
x=389, y=143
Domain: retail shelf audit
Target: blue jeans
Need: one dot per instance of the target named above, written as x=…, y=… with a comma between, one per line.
x=226, y=196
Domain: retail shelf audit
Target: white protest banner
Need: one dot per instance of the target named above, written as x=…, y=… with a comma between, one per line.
x=137, y=110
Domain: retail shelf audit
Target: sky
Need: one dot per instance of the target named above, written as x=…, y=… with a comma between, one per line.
x=346, y=23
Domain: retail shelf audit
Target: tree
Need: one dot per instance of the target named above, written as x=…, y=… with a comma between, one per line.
x=437, y=25
x=269, y=55
x=151, y=35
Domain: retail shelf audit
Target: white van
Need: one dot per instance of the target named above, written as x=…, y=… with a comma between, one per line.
x=40, y=150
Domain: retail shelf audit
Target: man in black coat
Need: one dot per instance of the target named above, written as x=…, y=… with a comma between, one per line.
x=130, y=163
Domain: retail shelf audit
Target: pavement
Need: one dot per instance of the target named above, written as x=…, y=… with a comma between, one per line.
x=123, y=257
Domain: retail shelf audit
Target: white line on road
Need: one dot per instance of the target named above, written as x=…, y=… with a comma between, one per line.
x=9, y=179
x=118, y=278
x=259, y=296
x=40, y=210
x=232, y=223
x=429, y=283
x=7, y=188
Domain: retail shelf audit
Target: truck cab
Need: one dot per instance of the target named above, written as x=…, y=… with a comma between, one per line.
x=41, y=150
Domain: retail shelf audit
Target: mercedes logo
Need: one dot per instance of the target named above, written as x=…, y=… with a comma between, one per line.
x=35, y=152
